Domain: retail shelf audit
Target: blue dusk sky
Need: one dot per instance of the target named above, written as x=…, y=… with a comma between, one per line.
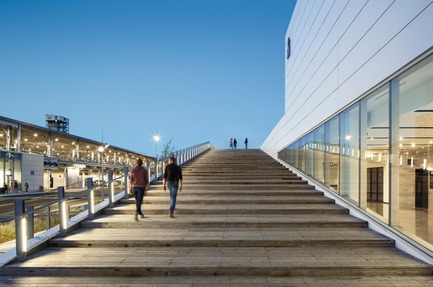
x=191, y=70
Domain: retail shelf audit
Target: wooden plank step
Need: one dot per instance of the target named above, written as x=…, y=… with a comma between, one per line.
x=206, y=209
x=218, y=261
x=295, y=220
x=220, y=281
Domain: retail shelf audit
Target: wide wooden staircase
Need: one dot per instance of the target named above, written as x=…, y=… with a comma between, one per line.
x=242, y=220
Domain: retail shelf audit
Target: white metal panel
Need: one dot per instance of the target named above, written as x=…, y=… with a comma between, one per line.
x=381, y=38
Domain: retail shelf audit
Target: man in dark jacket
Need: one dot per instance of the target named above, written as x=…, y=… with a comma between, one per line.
x=172, y=179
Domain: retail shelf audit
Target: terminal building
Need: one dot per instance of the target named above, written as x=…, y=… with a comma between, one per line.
x=358, y=117
x=48, y=157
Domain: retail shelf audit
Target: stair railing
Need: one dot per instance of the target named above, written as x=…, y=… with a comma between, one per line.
x=54, y=218
x=182, y=156
x=55, y=215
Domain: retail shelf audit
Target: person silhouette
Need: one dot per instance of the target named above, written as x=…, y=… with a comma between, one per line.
x=246, y=143
x=231, y=143
x=235, y=142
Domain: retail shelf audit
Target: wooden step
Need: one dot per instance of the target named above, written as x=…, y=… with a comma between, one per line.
x=242, y=220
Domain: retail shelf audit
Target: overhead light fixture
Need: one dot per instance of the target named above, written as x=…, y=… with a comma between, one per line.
x=156, y=138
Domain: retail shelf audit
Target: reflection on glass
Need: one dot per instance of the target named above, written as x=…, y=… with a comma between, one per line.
x=332, y=151
x=415, y=213
x=300, y=151
x=319, y=153
x=309, y=154
x=374, y=180
x=349, y=153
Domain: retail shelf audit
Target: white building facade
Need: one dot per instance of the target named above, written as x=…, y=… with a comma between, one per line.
x=359, y=107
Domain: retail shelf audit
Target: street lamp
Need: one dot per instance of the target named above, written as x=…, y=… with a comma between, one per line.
x=101, y=150
x=156, y=140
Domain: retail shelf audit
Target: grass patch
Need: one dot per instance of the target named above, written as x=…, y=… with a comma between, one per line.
x=7, y=232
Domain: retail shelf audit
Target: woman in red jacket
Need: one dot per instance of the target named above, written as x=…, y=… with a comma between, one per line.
x=139, y=183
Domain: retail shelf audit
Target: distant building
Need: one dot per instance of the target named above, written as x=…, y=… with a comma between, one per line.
x=57, y=123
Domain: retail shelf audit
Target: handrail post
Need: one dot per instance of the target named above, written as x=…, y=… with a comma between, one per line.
x=163, y=165
x=156, y=169
x=30, y=222
x=63, y=212
x=20, y=230
x=126, y=180
x=148, y=169
x=91, y=199
x=110, y=188
x=48, y=217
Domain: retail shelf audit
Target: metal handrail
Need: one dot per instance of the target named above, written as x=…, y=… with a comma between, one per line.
x=182, y=156
x=21, y=240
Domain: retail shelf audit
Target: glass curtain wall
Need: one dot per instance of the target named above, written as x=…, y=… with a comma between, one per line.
x=349, y=153
x=10, y=172
x=378, y=153
x=309, y=154
x=332, y=153
x=3, y=186
x=374, y=175
x=319, y=153
x=415, y=186
x=300, y=154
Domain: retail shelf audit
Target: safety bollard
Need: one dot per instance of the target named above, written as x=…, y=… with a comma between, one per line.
x=110, y=188
x=63, y=211
x=126, y=180
x=48, y=217
x=30, y=222
x=20, y=230
x=91, y=199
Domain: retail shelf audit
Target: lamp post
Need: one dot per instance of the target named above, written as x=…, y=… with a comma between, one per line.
x=101, y=151
x=156, y=139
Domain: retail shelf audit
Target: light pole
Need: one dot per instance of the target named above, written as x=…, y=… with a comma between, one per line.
x=156, y=139
x=101, y=151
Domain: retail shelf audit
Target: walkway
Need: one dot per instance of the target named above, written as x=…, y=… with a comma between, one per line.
x=242, y=220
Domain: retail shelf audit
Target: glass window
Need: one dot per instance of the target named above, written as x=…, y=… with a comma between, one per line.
x=374, y=180
x=300, y=151
x=319, y=153
x=349, y=153
x=332, y=151
x=3, y=188
x=309, y=155
x=415, y=188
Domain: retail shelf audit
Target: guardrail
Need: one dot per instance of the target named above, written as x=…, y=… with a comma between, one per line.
x=35, y=226
x=182, y=157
